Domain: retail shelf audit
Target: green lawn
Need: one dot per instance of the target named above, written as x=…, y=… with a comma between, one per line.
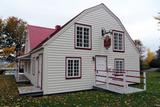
x=151, y=98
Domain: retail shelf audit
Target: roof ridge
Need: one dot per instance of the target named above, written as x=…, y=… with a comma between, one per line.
x=56, y=31
x=41, y=27
x=52, y=34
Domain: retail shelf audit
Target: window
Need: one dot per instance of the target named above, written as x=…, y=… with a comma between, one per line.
x=33, y=66
x=73, y=69
x=119, y=64
x=118, y=41
x=82, y=36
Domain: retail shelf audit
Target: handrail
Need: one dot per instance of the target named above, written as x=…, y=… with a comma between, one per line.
x=117, y=79
x=100, y=81
x=128, y=70
x=123, y=74
x=121, y=71
x=101, y=75
x=135, y=76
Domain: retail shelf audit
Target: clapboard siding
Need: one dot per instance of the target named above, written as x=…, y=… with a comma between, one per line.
x=63, y=46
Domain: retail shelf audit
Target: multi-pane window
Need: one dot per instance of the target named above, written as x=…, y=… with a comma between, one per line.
x=83, y=36
x=118, y=39
x=73, y=67
x=119, y=64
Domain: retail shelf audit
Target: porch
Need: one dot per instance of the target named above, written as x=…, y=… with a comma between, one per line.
x=122, y=82
x=22, y=65
x=26, y=88
x=118, y=89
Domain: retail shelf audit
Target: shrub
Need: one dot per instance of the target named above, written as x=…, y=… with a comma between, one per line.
x=155, y=63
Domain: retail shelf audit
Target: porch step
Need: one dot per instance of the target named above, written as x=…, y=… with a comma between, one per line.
x=35, y=94
x=118, y=89
x=30, y=91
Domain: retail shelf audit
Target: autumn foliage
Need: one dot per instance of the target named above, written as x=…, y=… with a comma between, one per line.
x=150, y=57
x=9, y=50
x=12, y=37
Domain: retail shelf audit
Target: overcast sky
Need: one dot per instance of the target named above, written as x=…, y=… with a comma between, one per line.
x=136, y=15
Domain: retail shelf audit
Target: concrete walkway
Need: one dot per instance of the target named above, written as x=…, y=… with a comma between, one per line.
x=150, y=70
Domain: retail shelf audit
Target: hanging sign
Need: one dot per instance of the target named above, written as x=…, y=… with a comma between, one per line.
x=107, y=42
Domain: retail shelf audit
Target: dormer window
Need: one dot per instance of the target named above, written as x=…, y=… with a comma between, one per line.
x=118, y=41
x=82, y=36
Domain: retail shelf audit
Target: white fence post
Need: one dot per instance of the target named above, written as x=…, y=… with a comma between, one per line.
x=107, y=78
x=95, y=77
x=125, y=82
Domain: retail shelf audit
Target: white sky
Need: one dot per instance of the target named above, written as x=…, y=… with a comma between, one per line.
x=136, y=15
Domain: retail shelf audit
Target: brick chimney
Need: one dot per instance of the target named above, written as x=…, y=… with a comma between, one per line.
x=57, y=27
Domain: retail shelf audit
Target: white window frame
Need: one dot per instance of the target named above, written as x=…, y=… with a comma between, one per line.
x=73, y=67
x=83, y=39
x=120, y=67
x=122, y=43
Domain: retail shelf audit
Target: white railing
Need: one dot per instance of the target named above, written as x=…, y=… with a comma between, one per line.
x=121, y=78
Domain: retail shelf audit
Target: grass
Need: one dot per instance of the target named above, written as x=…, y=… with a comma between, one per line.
x=150, y=98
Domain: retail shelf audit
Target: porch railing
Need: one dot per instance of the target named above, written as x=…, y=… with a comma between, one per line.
x=122, y=78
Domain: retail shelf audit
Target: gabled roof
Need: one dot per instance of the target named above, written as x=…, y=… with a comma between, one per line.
x=73, y=20
x=37, y=34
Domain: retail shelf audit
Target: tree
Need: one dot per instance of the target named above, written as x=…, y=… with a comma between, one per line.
x=1, y=26
x=8, y=52
x=1, y=31
x=141, y=50
x=150, y=57
x=15, y=30
x=155, y=63
x=13, y=36
x=158, y=53
x=158, y=18
x=140, y=47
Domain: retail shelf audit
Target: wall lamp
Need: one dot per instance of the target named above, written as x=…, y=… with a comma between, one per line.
x=103, y=31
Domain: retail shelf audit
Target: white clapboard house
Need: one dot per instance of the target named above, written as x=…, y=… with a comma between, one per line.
x=92, y=50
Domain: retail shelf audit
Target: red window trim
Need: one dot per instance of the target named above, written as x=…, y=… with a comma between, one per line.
x=119, y=59
x=90, y=48
x=114, y=50
x=67, y=66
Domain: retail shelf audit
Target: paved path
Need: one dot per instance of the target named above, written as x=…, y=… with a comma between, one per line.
x=151, y=69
